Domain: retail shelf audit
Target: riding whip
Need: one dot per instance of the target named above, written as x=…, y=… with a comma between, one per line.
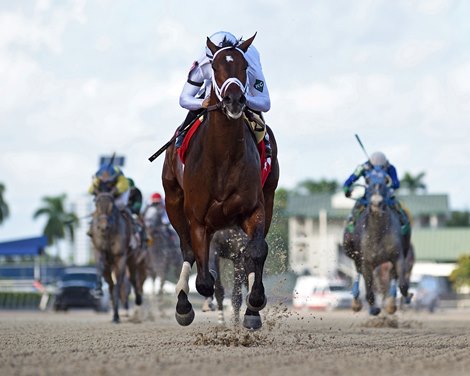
x=362, y=146
x=167, y=145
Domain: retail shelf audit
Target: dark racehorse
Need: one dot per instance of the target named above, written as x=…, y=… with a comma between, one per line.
x=111, y=233
x=229, y=244
x=377, y=239
x=220, y=186
x=164, y=251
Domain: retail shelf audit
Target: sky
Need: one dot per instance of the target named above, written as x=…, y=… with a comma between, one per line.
x=80, y=79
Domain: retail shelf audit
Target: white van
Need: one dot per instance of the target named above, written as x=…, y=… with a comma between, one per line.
x=321, y=293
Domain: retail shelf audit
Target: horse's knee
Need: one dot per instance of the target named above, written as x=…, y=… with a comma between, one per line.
x=257, y=249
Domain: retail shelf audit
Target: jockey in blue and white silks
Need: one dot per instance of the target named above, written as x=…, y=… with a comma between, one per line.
x=377, y=159
x=195, y=94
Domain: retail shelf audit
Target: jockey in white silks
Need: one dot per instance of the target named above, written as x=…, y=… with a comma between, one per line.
x=195, y=94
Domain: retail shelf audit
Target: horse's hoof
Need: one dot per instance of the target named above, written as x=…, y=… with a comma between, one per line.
x=408, y=298
x=186, y=318
x=252, y=322
x=253, y=308
x=390, y=306
x=356, y=305
x=116, y=320
x=374, y=311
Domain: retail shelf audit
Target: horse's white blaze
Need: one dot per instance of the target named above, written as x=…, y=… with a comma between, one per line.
x=229, y=58
x=182, y=284
x=251, y=281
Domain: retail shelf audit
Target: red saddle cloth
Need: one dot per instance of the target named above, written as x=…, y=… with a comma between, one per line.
x=265, y=163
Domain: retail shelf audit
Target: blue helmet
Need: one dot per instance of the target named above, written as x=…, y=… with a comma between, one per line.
x=108, y=173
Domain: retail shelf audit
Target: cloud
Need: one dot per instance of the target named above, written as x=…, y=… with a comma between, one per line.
x=414, y=52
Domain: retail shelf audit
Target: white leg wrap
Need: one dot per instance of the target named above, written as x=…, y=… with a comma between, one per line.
x=182, y=284
x=251, y=281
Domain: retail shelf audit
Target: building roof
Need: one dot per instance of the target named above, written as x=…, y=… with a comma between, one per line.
x=441, y=244
x=23, y=247
x=338, y=207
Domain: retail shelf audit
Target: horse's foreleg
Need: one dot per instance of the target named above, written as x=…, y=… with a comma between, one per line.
x=219, y=292
x=117, y=275
x=256, y=251
x=403, y=279
x=200, y=239
x=391, y=300
x=238, y=279
x=356, y=303
x=368, y=274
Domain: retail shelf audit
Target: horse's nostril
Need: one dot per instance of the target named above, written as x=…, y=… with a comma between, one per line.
x=242, y=99
x=226, y=99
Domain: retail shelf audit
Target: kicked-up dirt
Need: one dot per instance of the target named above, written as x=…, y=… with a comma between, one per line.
x=290, y=343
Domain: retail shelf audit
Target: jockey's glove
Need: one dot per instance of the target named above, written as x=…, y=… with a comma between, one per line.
x=347, y=191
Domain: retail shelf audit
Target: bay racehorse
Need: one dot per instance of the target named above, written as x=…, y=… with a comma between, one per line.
x=110, y=233
x=220, y=185
x=377, y=239
x=164, y=252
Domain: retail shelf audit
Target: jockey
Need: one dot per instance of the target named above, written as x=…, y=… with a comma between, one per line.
x=196, y=91
x=377, y=159
x=110, y=178
x=155, y=203
x=135, y=198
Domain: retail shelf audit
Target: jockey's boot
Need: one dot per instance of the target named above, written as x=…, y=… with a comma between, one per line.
x=133, y=241
x=352, y=218
x=350, y=224
x=181, y=132
x=404, y=220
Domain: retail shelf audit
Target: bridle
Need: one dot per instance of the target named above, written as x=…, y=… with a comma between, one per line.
x=220, y=90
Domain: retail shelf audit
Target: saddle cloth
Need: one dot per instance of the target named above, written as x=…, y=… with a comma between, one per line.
x=265, y=164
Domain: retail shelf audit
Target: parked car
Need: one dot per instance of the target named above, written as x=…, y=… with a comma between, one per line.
x=428, y=293
x=77, y=289
x=321, y=293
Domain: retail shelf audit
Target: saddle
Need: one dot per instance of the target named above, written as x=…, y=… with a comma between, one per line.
x=256, y=124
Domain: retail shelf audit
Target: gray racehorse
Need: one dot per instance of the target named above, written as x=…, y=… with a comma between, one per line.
x=163, y=245
x=229, y=244
x=110, y=233
x=377, y=239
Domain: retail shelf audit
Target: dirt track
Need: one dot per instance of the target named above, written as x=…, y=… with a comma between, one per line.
x=339, y=343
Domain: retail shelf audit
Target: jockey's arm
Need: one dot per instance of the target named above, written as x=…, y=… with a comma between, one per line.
x=94, y=186
x=122, y=184
x=197, y=76
x=392, y=172
x=354, y=177
x=257, y=93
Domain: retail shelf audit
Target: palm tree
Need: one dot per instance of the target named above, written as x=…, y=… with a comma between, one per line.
x=318, y=186
x=4, y=211
x=59, y=223
x=413, y=183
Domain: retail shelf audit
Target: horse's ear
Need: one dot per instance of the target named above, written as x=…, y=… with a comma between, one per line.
x=244, y=46
x=212, y=47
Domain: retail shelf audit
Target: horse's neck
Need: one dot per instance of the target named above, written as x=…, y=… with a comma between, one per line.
x=225, y=135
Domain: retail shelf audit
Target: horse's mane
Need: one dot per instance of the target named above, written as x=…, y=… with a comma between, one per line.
x=228, y=43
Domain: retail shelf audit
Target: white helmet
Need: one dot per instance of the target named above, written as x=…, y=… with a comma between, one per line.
x=219, y=38
x=378, y=159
